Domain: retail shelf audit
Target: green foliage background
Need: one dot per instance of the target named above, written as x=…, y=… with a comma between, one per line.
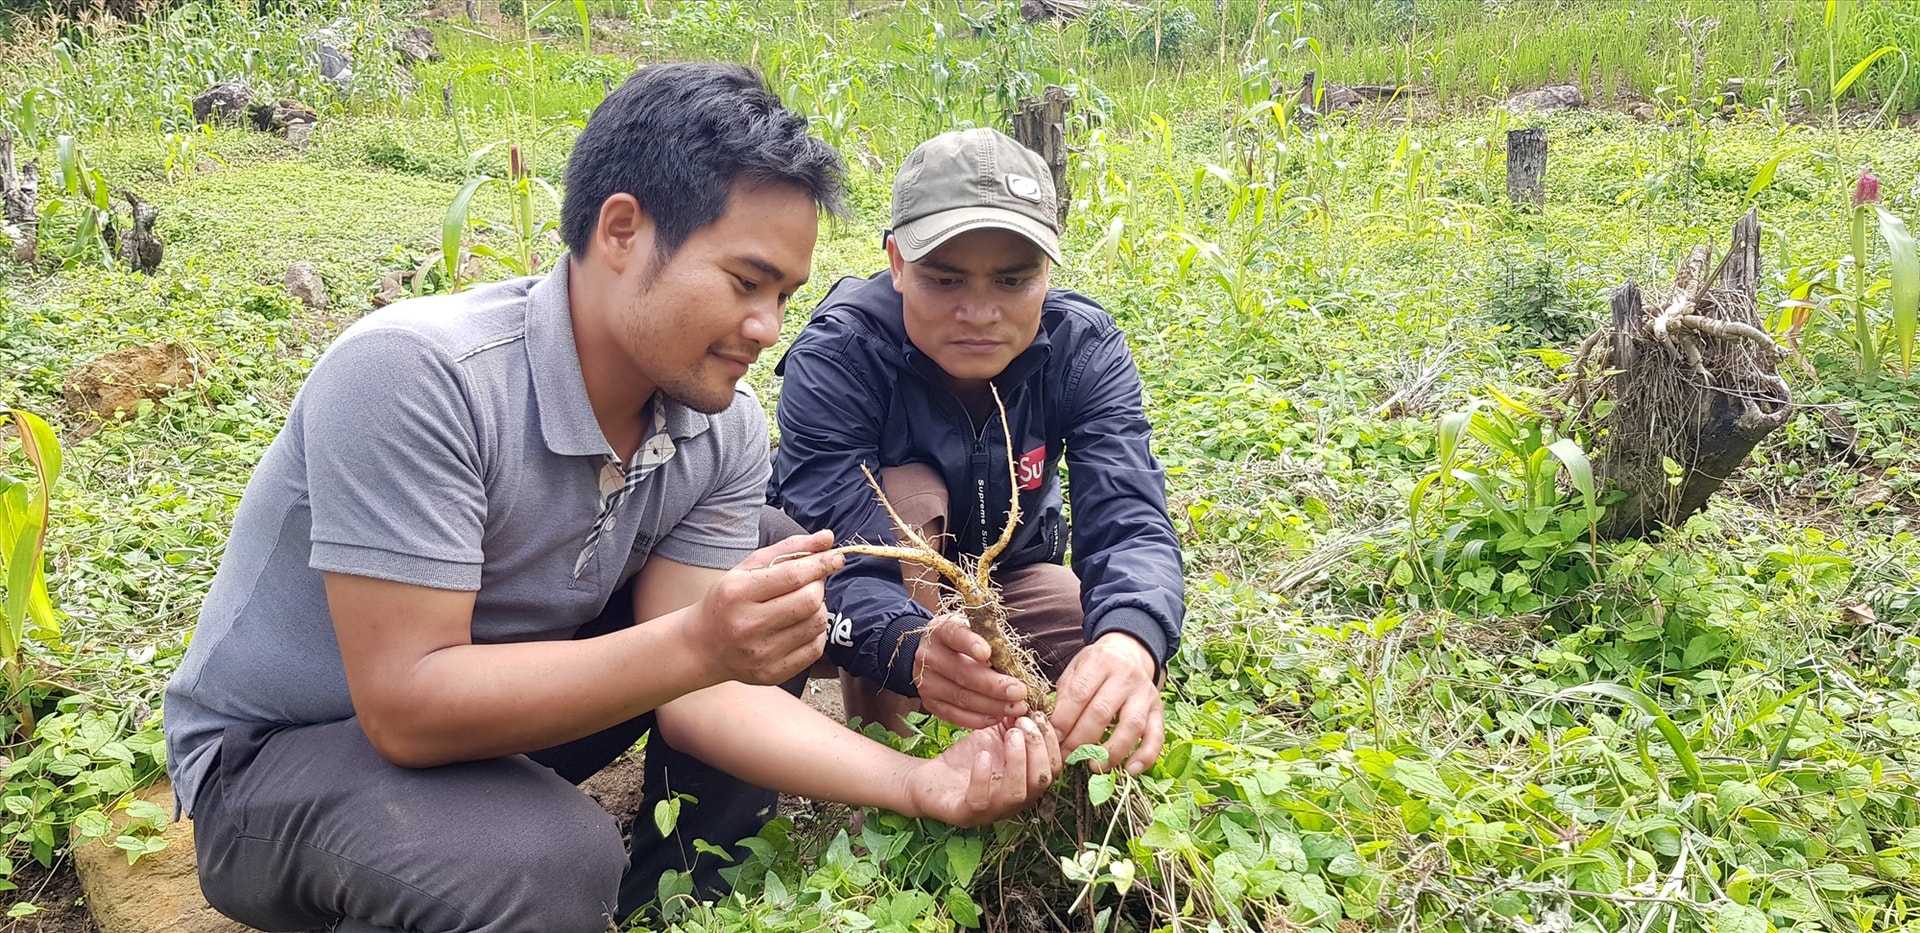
x=1361, y=737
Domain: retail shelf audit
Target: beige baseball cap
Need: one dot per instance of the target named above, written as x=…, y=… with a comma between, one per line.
x=972, y=180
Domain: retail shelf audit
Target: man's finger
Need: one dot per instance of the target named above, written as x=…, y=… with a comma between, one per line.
x=980, y=783
x=783, y=550
x=1096, y=714
x=1040, y=755
x=955, y=636
x=1128, y=727
x=1014, y=779
x=1151, y=743
x=959, y=716
x=975, y=676
x=1071, y=704
x=936, y=686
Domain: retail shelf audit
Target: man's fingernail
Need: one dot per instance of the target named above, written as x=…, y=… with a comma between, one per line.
x=1014, y=692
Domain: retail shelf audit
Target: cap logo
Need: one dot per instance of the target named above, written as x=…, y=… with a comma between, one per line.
x=1024, y=188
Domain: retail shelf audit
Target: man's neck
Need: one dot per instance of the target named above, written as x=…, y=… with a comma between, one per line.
x=616, y=390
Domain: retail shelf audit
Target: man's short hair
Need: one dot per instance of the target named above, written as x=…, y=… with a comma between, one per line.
x=678, y=137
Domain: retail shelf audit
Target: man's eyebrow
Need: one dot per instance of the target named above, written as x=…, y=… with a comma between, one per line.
x=1030, y=265
x=768, y=269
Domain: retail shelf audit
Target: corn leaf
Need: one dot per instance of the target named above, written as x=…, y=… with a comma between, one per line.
x=454, y=227
x=1764, y=177
x=1854, y=74
x=1906, y=283
x=1569, y=453
x=1652, y=710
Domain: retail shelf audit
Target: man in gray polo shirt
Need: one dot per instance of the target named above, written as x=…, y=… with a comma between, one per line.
x=423, y=633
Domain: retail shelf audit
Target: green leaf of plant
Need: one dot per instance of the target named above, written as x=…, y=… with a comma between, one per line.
x=1764, y=177
x=1739, y=918
x=1099, y=788
x=1087, y=752
x=962, y=909
x=1652, y=710
x=666, y=814
x=454, y=226
x=1905, y=273
x=1856, y=71
x=963, y=858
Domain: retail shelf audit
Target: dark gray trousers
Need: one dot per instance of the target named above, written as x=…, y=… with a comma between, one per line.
x=308, y=827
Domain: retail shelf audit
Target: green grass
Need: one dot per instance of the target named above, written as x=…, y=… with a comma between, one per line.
x=1349, y=750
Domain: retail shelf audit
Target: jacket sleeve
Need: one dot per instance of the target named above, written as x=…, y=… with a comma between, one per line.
x=830, y=426
x=1124, y=547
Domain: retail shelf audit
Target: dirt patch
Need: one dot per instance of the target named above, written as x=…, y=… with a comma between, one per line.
x=57, y=892
x=114, y=384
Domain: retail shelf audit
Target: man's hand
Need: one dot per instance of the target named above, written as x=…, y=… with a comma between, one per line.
x=1109, y=685
x=766, y=619
x=990, y=775
x=950, y=669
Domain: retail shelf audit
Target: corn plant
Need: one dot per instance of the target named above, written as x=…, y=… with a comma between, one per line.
x=25, y=609
x=84, y=192
x=524, y=228
x=1902, y=284
x=1494, y=528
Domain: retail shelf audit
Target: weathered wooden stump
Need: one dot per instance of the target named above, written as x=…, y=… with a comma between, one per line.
x=1527, y=166
x=1041, y=125
x=1689, y=381
x=19, y=194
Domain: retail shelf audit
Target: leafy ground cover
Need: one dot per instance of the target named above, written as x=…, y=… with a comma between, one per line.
x=1389, y=713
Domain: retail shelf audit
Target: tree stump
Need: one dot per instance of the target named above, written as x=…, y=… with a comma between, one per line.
x=1527, y=166
x=1677, y=393
x=1041, y=125
x=19, y=194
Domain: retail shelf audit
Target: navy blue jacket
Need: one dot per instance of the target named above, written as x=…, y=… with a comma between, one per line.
x=855, y=390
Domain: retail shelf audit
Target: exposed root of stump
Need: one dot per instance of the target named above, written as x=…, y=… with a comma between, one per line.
x=1690, y=380
x=971, y=591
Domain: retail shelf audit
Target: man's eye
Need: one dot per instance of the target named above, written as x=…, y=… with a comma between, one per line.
x=1012, y=282
x=747, y=284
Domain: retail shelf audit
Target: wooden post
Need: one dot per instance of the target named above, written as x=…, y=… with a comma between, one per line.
x=19, y=190
x=1628, y=317
x=446, y=98
x=1527, y=166
x=473, y=11
x=1041, y=125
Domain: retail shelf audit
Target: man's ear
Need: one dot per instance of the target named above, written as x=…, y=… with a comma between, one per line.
x=896, y=264
x=623, y=236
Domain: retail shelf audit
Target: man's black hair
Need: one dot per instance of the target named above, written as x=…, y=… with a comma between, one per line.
x=678, y=137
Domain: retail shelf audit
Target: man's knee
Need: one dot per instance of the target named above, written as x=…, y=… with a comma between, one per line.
x=556, y=869
x=776, y=526
x=919, y=494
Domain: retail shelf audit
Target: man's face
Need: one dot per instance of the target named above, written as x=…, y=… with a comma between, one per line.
x=697, y=323
x=973, y=304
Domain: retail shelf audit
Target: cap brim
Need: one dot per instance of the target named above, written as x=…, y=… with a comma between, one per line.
x=919, y=237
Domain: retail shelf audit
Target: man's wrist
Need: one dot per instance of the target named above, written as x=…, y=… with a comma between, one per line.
x=1124, y=641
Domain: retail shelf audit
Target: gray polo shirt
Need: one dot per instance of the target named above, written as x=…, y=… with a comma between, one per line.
x=447, y=442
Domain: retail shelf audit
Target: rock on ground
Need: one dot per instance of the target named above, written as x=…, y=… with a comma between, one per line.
x=158, y=894
x=1551, y=97
x=416, y=45
x=114, y=383
x=303, y=282
x=225, y=102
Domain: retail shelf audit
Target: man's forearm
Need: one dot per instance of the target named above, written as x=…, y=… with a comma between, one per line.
x=471, y=702
x=768, y=737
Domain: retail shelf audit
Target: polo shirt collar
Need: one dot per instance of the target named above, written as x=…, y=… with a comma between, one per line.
x=560, y=391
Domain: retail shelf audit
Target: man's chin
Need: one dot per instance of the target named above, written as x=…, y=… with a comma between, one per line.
x=704, y=401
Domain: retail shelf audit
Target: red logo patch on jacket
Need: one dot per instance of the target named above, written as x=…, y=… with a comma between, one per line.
x=1032, y=468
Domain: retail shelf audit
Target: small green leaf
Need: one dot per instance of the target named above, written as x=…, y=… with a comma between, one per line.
x=1739, y=918
x=962, y=909
x=666, y=815
x=1099, y=788
x=963, y=857
x=1088, y=752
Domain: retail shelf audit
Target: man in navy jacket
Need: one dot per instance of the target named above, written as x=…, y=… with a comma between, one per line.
x=898, y=372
